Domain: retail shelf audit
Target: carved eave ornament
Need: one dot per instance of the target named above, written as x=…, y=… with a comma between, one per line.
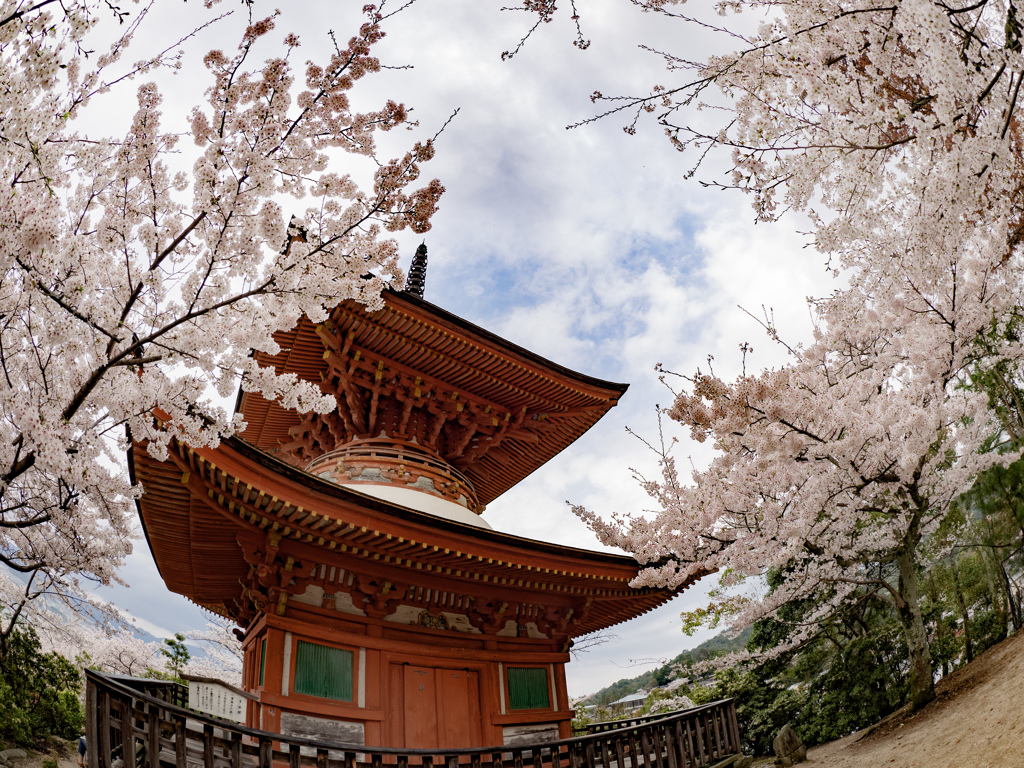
x=419, y=377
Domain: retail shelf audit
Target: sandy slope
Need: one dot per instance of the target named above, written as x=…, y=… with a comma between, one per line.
x=977, y=721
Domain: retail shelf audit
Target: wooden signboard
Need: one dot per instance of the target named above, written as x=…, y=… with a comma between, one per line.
x=217, y=698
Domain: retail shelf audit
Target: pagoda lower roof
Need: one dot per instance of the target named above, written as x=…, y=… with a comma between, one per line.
x=201, y=506
x=415, y=373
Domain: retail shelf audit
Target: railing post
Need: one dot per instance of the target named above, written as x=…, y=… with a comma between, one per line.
x=180, y=743
x=236, y=750
x=266, y=752
x=680, y=745
x=737, y=747
x=208, y=745
x=636, y=747
x=103, y=727
x=153, y=742
x=709, y=735
x=700, y=727
x=647, y=747
x=126, y=738
x=620, y=754
x=719, y=715
x=135, y=735
x=576, y=759
x=712, y=727
x=91, y=724
x=671, y=747
x=588, y=750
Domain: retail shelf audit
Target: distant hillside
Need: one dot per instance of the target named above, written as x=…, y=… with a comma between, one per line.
x=717, y=645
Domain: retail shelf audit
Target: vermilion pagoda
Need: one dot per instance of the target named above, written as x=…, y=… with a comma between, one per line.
x=378, y=606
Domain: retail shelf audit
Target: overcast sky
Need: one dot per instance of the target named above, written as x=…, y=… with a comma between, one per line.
x=587, y=246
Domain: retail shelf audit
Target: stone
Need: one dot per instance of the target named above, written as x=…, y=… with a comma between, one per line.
x=11, y=754
x=745, y=761
x=789, y=750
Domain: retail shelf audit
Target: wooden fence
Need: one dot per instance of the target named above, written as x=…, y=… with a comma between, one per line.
x=710, y=717
x=152, y=731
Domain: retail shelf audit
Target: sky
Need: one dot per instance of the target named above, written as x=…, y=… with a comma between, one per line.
x=591, y=247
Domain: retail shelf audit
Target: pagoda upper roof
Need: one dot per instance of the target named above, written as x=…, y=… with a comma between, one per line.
x=416, y=373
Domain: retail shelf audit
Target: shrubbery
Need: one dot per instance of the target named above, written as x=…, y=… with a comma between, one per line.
x=39, y=692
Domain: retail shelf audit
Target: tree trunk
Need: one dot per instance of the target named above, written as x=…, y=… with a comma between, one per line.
x=1000, y=599
x=922, y=681
x=940, y=624
x=962, y=605
x=1014, y=597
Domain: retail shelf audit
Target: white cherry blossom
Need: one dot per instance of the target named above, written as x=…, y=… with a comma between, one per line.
x=126, y=286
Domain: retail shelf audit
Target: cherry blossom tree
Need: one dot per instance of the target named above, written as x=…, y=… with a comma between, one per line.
x=220, y=654
x=896, y=129
x=127, y=285
x=835, y=472
x=120, y=652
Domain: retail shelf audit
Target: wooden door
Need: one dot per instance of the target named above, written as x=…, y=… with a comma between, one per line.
x=458, y=709
x=420, y=695
x=441, y=708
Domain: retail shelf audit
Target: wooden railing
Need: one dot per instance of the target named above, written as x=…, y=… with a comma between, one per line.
x=128, y=725
x=711, y=716
x=167, y=691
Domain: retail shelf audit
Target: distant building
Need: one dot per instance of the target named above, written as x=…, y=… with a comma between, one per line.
x=630, y=703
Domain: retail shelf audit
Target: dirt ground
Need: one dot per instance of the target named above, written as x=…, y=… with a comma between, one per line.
x=64, y=752
x=977, y=720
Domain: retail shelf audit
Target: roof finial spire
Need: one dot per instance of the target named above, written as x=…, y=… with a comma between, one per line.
x=418, y=272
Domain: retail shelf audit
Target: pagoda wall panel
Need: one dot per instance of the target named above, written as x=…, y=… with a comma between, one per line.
x=463, y=675
x=323, y=729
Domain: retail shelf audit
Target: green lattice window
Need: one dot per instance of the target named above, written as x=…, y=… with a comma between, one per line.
x=528, y=688
x=263, y=658
x=322, y=671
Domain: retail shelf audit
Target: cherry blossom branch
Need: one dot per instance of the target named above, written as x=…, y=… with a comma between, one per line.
x=71, y=310
x=20, y=14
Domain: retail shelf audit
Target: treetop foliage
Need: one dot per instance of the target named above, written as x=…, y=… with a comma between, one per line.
x=38, y=691
x=720, y=644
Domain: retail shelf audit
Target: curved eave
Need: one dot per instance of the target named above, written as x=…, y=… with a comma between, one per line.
x=429, y=527
x=425, y=340
x=193, y=537
x=484, y=338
